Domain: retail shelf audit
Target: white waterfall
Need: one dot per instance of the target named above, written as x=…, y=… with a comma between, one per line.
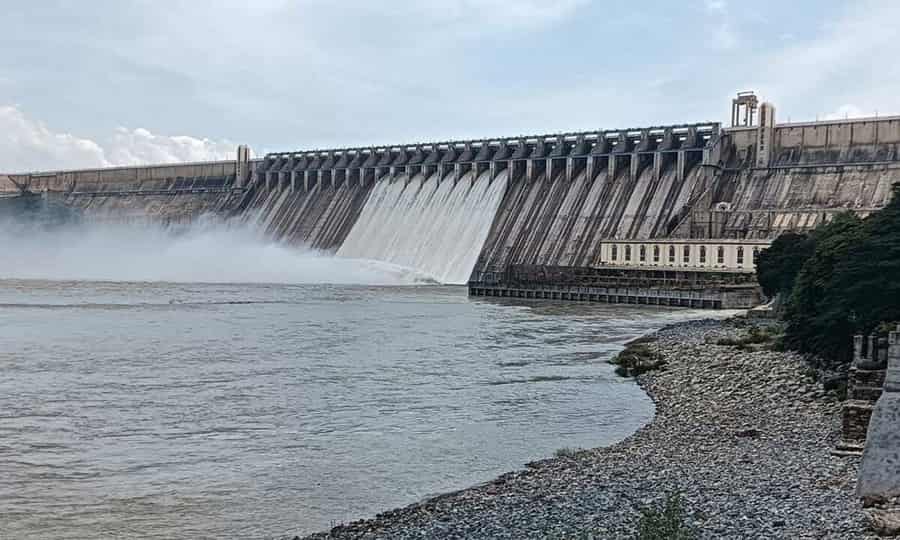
x=437, y=228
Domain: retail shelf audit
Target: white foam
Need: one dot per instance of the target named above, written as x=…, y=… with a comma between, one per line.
x=207, y=252
x=438, y=228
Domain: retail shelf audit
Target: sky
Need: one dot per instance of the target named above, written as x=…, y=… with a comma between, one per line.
x=113, y=82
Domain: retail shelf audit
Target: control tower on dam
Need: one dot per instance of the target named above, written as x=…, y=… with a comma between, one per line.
x=672, y=214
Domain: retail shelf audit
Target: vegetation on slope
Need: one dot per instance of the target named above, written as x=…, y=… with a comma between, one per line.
x=756, y=338
x=639, y=356
x=665, y=522
x=842, y=279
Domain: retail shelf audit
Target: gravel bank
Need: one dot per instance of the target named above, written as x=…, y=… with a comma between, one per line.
x=744, y=436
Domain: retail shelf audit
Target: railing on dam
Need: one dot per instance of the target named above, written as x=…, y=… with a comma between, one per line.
x=165, y=186
x=199, y=177
x=529, y=155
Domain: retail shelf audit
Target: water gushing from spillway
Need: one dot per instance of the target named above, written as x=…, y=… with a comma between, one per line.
x=436, y=227
x=207, y=251
x=318, y=218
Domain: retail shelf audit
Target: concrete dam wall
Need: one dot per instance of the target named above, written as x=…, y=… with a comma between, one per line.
x=484, y=204
x=810, y=172
x=165, y=194
x=554, y=221
x=22, y=212
x=525, y=213
x=319, y=218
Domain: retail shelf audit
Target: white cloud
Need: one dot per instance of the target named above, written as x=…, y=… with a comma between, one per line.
x=28, y=145
x=139, y=146
x=715, y=5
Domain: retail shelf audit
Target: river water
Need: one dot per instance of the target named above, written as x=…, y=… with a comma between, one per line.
x=166, y=410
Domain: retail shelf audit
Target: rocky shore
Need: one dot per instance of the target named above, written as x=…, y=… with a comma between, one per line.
x=744, y=436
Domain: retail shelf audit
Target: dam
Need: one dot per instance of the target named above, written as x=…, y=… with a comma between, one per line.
x=662, y=215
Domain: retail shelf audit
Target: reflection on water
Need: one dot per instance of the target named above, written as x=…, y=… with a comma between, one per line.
x=164, y=410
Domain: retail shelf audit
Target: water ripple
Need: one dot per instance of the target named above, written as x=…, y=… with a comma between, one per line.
x=269, y=411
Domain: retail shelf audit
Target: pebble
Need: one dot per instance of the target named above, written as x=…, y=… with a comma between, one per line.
x=743, y=436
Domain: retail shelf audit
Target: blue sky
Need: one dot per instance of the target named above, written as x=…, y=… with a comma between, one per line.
x=101, y=82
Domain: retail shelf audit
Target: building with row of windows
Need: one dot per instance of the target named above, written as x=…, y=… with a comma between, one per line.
x=717, y=254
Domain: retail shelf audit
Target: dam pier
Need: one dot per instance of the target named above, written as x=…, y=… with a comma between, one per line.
x=663, y=215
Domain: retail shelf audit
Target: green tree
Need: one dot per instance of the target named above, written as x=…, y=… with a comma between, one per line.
x=868, y=278
x=818, y=317
x=778, y=266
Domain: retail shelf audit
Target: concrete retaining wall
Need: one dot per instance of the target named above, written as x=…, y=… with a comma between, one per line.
x=124, y=178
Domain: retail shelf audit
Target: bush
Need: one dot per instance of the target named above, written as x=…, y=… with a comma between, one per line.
x=665, y=522
x=639, y=356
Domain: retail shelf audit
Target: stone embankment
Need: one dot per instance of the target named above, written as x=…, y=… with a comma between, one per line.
x=743, y=434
